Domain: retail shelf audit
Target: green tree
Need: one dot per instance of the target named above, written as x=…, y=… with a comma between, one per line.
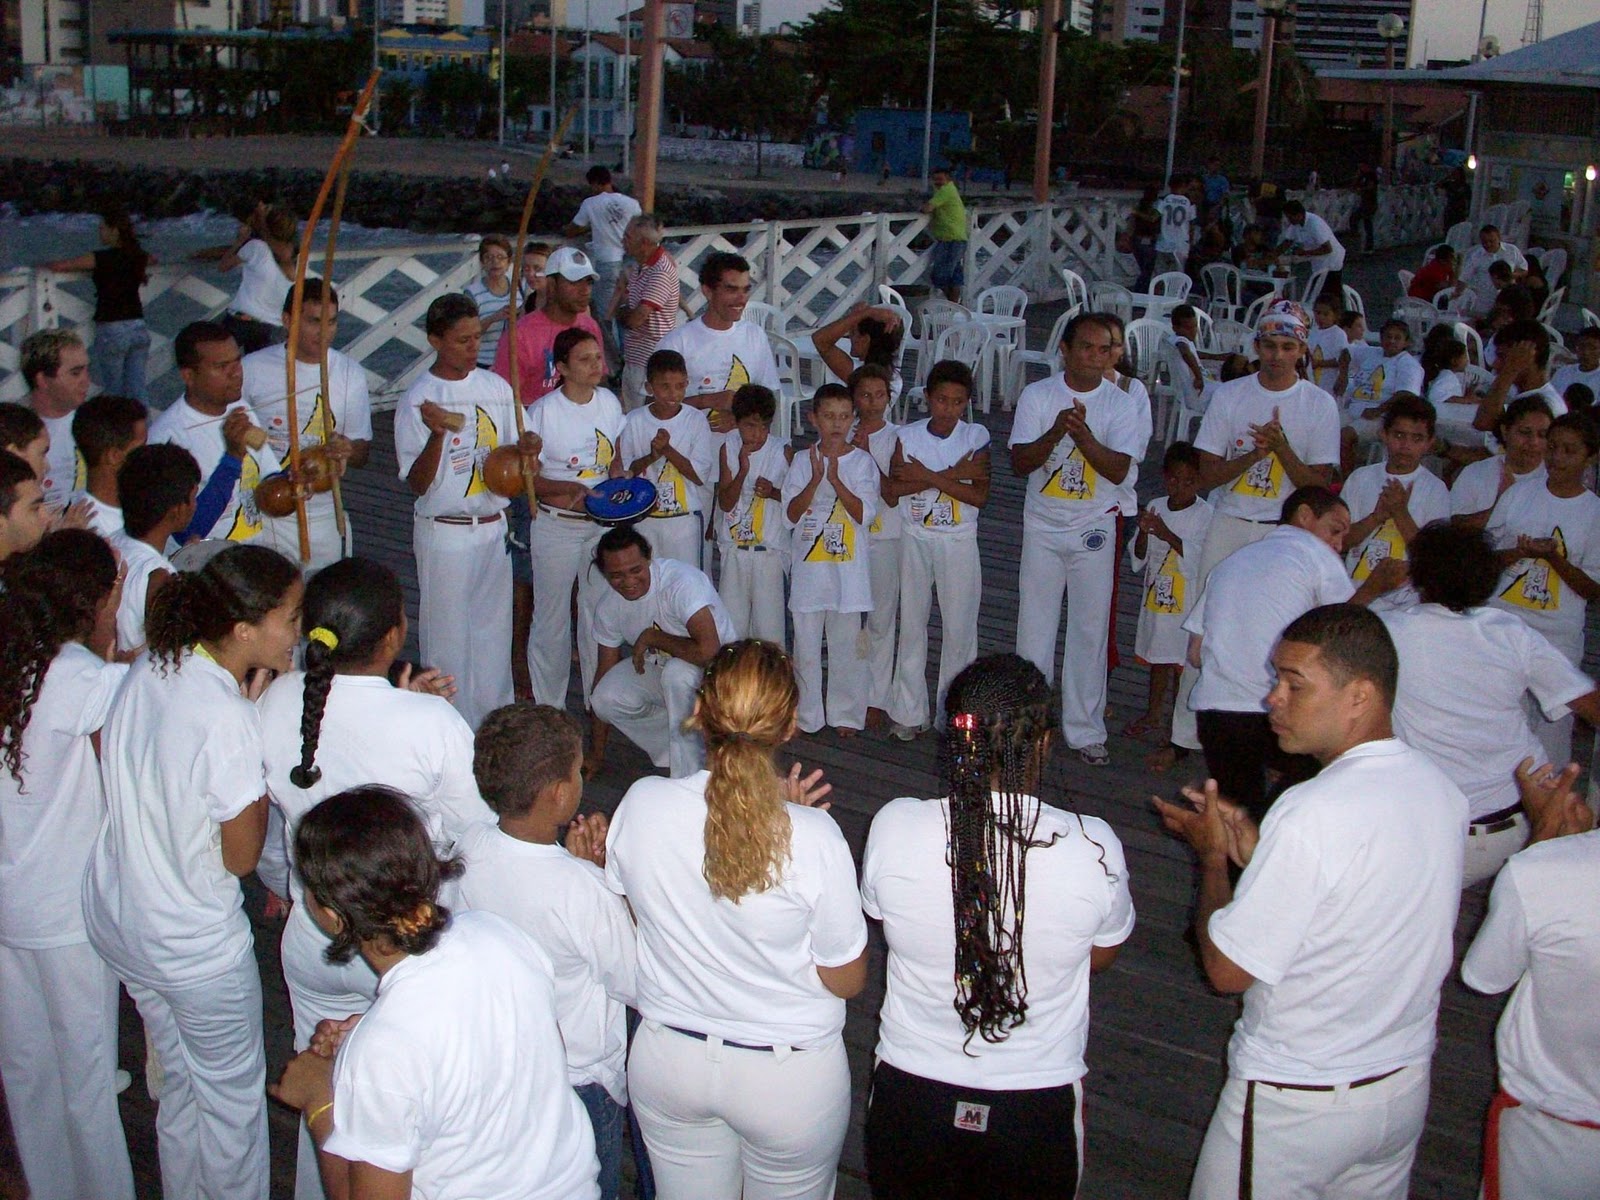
x=459, y=92
x=754, y=87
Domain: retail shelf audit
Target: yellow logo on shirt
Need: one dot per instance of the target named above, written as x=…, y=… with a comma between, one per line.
x=246, y=517
x=80, y=471
x=836, y=541
x=738, y=375
x=1165, y=592
x=312, y=431
x=748, y=529
x=1263, y=480
x=1385, y=543
x=1074, y=479
x=672, y=497
x=1372, y=389
x=1535, y=586
x=604, y=452
x=943, y=512
x=487, y=439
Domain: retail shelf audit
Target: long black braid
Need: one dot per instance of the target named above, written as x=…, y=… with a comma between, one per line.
x=999, y=714
x=350, y=607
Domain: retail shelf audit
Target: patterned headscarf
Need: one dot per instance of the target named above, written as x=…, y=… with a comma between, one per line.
x=1284, y=318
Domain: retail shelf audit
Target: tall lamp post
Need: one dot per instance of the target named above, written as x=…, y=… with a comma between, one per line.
x=1177, y=85
x=1390, y=28
x=927, y=105
x=1270, y=10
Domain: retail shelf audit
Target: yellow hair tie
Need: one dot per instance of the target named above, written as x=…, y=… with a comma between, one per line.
x=324, y=636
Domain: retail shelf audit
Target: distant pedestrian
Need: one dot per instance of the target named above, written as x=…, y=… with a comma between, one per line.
x=121, y=338
x=264, y=250
x=947, y=225
x=603, y=218
x=644, y=302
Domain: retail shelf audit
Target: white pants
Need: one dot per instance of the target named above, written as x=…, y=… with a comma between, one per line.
x=1082, y=564
x=947, y=566
x=1487, y=852
x=1347, y=1144
x=58, y=1057
x=318, y=991
x=464, y=619
x=283, y=535
x=680, y=538
x=847, y=701
x=722, y=1123
x=211, y=1124
x=1225, y=535
x=563, y=554
x=1544, y=1158
x=885, y=565
x=751, y=587
x=650, y=710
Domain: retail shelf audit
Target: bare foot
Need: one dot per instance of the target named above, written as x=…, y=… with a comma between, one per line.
x=877, y=718
x=1159, y=762
x=845, y=732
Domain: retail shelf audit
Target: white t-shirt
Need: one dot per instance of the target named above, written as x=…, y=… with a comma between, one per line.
x=1430, y=501
x=1345, y=917
x=104, y=519
x=677, y=592
x=562, y=903
x=458, y=1075
x=1182, y=376
x=1542, y=935
x=1375, y=377
x=744, y=972
x=1136, y=396
x=458, y=489
x=1475, y=271
x=1310, y=234
x=1310, y=421
x=262, y=284
x=606, y=215
x=1547, y=392
x=676, y=495
x=48, y=821
x=181, y=754
x=1077, y=899
x=1462, y=679
x=831, y=571
x=1531, y=589
x=1066, y=494
x=1571, y=374
x=1250, y=597
x=201, y=435
x=724, y=359
x=886, y=524
x=141, y=562
x=1477, y=487
x=1171, y=579
x=1327, y=347
x=351, y=407
x=932, y=513
x=1447, y=386
x=754, y=521
x=65, y=470
x=580, y=440
x=1177, y=224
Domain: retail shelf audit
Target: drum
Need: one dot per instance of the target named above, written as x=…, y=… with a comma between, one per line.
x=621, y=501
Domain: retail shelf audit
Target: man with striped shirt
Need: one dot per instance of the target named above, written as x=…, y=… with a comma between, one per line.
x=645, y=302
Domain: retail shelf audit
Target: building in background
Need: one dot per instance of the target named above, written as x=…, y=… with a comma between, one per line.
x=1328, y=33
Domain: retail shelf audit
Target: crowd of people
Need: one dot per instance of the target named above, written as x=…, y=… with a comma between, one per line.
x=491, y=987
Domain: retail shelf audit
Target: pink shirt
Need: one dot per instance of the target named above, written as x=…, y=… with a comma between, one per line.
x=536, y=361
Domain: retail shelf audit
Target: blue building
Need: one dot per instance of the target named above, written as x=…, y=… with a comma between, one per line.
x=894, y=136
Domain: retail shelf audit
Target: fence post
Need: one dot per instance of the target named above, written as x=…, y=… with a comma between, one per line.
x=1039, y=266
x=880, y=253
x=44, y=300
x=774, y=264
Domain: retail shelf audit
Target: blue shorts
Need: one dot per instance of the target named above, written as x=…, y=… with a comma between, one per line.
x=949, y=266
x=519, y=527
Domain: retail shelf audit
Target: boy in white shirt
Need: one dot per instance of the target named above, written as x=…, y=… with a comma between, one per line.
x=830, y=498
x=870, y=387
x=1329, y=344
x=1390, y=501
x=1183, y=360
x=670, y=445
x=751, y=534
x=939, y=477
x=106, y=429
x=161, y=483
x=1586, y=344
x=444, y=428
x=579, y=424
x=1177, y=227
x=1377, y=375
x=527, y=760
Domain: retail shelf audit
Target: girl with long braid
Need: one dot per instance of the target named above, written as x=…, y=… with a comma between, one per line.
x=997, y=907
x=453, y=1085
x=338, y=724
x=58, y=1017
x=750, y=941
x=186, y=815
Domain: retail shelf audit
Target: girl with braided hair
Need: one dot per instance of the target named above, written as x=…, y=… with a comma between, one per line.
x=750, y=941
x=996, y=907
x=340, y=723
x=58, y=1020
x=453, y=1085
x=186, y=816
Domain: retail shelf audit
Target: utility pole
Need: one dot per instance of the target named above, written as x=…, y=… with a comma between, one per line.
x=1049, y=19
x=649, y=105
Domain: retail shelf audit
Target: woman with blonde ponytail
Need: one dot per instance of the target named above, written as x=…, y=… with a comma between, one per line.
x=751, y=939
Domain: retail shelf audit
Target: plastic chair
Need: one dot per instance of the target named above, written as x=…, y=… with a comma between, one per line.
x=1472, y=340
x=1175, y=284
x=1224, y=289
x=890, y=298
x=791, y=392
x=1003, y=301
x=1443, y=298
x=1591, y=319
x=1405, y=280
x=1204, y=325
x=769, y=316
x=1146, y=338
x=1252, y=315
x=1230, y=337
x=1547, y=311
x=965, y=342
x=1555, y=265
x=1419, y=316
x=934, y=316
x=1048, y=357
x=1111, y=298
x=1313, y=288
x=1558, y=340
x=1077, y=289
x=1353, y=301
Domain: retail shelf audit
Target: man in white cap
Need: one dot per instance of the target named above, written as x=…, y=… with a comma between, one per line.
x=571, y=279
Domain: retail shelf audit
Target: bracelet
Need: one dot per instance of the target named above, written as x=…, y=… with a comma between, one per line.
x=317, y=1112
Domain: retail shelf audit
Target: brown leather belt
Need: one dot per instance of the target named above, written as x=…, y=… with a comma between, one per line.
x=463, y=520
x=1329, y=1087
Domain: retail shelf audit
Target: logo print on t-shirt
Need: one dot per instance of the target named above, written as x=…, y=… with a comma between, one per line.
x=1385, y=543
x=604, y=451
x=487, y=439
x=1263, y=480
x=738, y=375
x=1074, y=479
x=1535, y=586
x=246, y=516
x=1165, y=593
x=672, y=498
x=836, y=541
x=1372, y=388
x=311, y=431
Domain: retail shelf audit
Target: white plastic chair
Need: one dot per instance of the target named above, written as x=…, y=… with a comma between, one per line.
x=934, y=316
x=1353, y=301
x=1558, y=340
x=1252, y=315
x=1003, y=301
x=791, y=392
x=769, y=316
x=1204, y=329
x=1443, y=298
x=1419, y=316
x=1175, y=284
x=1405, y=280
x=1231, y=337
x=1547, y=311
x=1555, y=265
x=891, y=298
x=1224, y=289
x=1077, y=289
x=1472, y=340
x=1314, y=285
x=1145, y=339
x=965, y=342
x=1590, y=318
x=1048, y=356
x=1111, y=298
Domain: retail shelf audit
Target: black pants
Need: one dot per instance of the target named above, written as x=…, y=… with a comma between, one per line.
x=1240, y=748
x=927, y=1140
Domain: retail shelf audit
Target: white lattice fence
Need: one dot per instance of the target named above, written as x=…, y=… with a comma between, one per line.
x=1000, y=248
x=900, y=265
x=692, y=244
x=823, y=267
x=1083, y=236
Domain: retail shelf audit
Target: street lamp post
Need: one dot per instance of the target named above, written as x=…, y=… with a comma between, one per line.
x=1177, y=84
x=927, y=106
x=588, y=67
x=1269, y=36
x=1390, y=29
x=503, y=4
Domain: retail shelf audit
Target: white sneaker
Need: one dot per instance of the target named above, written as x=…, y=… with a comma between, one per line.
x=1096, y=755
x=907, y=733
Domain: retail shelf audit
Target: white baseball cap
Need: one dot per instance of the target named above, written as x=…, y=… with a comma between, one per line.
x=570, y=263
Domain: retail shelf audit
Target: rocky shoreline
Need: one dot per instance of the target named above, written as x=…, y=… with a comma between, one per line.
x=389, y=199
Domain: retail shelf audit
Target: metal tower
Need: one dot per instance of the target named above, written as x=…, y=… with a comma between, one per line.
x=1533, y=25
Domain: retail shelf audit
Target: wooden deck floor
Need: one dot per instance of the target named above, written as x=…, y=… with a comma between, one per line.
x=1157, y=1031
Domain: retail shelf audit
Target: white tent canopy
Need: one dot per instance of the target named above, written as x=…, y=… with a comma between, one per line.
x=1570, y=59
